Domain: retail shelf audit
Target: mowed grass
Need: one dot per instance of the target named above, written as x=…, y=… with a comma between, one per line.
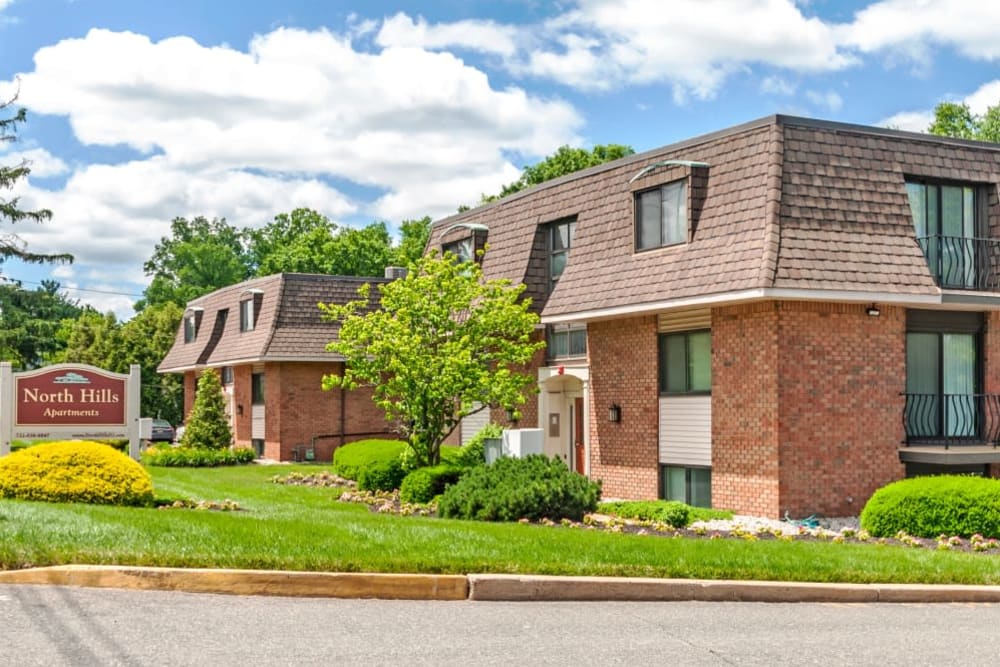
x=305, y=528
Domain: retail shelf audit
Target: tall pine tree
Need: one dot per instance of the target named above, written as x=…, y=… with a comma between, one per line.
x=207, y=426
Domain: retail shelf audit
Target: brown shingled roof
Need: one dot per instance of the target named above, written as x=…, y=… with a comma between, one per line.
x=289, y=325
x=786, y=203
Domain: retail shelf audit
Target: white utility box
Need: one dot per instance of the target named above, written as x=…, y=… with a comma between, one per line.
x=520, y=442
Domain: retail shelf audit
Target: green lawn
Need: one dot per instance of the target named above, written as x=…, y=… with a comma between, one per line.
x=305, y=528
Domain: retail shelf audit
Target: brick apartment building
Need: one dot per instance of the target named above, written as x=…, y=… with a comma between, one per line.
x=778, y=317
x=267, y=340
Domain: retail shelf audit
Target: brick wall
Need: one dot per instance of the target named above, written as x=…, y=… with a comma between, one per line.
x=991, y=366
x=840, y=424
x=745, y=408
x=623, y=370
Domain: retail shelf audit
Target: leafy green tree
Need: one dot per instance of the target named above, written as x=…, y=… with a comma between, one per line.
x=414, y=235
x=954, y=119
x=11, y=245
x=361, y=252
x=296, y=242
x=145, y=340
x=30, y=320
x=91, y=338
x=443, y=340
x=207, y=426
x=199, y=257
x=564, y=161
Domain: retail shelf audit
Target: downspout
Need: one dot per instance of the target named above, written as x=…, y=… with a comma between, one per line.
x=343, y=417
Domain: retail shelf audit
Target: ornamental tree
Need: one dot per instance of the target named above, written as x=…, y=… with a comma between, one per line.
x=207, y=425
x=442, y=344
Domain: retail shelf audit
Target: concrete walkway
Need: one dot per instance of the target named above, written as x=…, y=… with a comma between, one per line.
x=491, y=587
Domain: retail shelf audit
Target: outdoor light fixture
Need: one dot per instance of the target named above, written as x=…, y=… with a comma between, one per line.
x=513, y=416
x=873, y=311
x=615, y=413
x=239, y=409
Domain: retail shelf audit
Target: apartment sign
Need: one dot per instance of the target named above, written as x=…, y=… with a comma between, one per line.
x=69, y=402
x=78, y=396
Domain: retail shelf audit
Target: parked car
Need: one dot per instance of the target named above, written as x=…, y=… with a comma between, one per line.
x=162, y=431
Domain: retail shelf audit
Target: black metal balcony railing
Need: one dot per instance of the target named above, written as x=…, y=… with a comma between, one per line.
x=952, y=419
x=960, y=262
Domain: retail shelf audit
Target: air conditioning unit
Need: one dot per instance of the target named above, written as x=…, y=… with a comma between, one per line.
x=520, y=442
x=395, y=272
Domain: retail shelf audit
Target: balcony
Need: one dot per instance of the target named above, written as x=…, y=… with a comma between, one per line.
x=963, y=263
x=952, y=420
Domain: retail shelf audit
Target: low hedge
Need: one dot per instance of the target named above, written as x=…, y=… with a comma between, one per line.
x=349, y=460
x=932, y=506
x=167, y=456
x=74, y=471
x=423, y=484
x=533, y=487
x=670, y=512
x=382, y=476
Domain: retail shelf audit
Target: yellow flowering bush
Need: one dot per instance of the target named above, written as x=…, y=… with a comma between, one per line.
x=75, y=471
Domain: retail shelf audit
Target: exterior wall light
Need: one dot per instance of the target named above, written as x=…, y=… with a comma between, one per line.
x=615, y=413
x=513, y=415
x=873, y=311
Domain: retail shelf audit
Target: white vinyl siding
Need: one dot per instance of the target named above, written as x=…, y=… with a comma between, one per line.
x=472, y=424
x=257, y=422
x=686, y=430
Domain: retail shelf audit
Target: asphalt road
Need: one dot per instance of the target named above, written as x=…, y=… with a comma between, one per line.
x=52, y=626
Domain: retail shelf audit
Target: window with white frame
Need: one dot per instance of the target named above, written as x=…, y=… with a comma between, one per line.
x=246, y=315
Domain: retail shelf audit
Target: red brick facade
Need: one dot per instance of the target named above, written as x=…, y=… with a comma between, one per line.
x=623, y=371
x=298, y=412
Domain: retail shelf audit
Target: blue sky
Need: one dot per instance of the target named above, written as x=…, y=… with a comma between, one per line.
x=140, y=112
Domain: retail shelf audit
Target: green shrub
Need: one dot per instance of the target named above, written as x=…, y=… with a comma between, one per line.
x=532, y=487
x=931, y=506
x=74, y=471
x=196, y=457
x=423, y=484
x=207, y=426
x=707, y=514
x=473, y=453
x=351, y=459
x=670, y=512
x=382, y=476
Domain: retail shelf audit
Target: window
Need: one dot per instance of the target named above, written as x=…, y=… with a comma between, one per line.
x=463, y=249
x=692, y=486
x=257, y=389
x=190, y=328
x=661, y=216
x=559, y=242
x=686, y=362
x=943, y=375
x=227, y=375
x=945, y=223
x=246, y=315
x=567, y=342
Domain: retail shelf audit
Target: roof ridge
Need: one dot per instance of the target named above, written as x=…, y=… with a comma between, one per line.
x=772, y=207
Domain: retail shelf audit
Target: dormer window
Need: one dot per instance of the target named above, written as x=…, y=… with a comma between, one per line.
x=192, y=318
x=661, y=216
x=560, y=241
x=462, y=249
x=946, y=223
x=249, y=307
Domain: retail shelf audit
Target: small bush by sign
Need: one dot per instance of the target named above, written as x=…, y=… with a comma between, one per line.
x=423, y=484
x=74, y=471
x=932, y=506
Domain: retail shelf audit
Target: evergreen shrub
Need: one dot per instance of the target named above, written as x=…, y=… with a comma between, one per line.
x=74, y=471
x=533, y=487
x=932, y=506
x=382, y=476
x=351, y=459
x=207, y=426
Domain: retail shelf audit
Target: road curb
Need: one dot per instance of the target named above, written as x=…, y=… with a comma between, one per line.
x=486, y=587
x=523, y=588
x=250, y=582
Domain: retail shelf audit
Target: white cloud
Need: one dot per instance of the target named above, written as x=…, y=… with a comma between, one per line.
x=918, y=121
x=775, y=85
x=482, y=36
x=245, y=135
x=693, y=45
x=910, y=28
x=829, y=100
x=987, y=95
x=913, y=121
x=41, y=162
